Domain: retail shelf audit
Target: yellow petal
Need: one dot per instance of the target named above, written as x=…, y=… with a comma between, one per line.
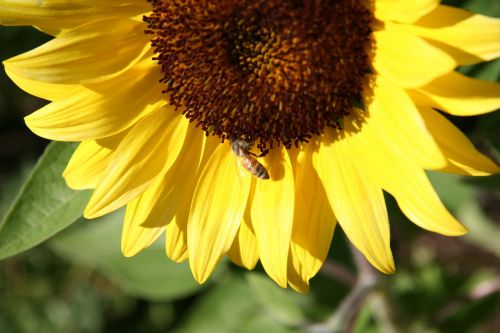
x=405, y=11
x=166, y=194
x=462, y=156
x=102, y=110
x=477, y=36
x=408, y=184
x=409, y=61
x=148, y=151
x=272, y=215
x=176, y=242
x=395, y=117
x=459, y=95
x=216, y=211
x=419, y=202
x=358, y=203
x=53, y=15
x=83, y=53
x=295, y=279
x=88, y=164
x=313, y=222
x=48, y=91
x=244, y=251
x=135, y=238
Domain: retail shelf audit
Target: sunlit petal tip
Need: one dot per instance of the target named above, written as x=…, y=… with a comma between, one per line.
x=387, y=266
x=202, y=266
x=175, y=243
x=455, y=230
x=128, y=250
x=133, y=243
x=389, y=270
x=201, y=276
x=282, y=283
x=46, y=126
x=384, y=262
x=179, y=259
x=36, y=124
x=95, y=208
x=92, y=212
x=70, y=181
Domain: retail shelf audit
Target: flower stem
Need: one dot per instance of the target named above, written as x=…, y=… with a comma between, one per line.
x=347, y=310
x=369, y=286
x=338, y=272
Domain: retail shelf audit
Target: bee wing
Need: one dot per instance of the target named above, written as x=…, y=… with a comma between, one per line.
x=240, y=170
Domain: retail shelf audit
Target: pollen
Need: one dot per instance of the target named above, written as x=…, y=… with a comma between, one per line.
x=269, y=72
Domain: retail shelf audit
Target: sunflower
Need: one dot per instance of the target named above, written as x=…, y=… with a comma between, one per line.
x=183, y=108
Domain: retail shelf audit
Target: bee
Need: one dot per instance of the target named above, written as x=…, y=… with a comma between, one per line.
x=241, y=149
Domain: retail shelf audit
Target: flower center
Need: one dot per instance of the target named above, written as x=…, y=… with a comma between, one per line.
x=270, y=72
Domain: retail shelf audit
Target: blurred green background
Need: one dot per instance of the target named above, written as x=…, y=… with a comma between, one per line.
x=79, y=282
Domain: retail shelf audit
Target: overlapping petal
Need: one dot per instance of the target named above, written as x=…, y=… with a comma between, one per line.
x=154, y=142
x=357, y=201
x=216, y=212
x=272, y=215
x=314, y=222
x=134, y=236
x=459, y=95
x=408, y=60
x=244, y=250
x=165, y=195
x=406, y=182
x=460, y=153
x=176, y=241
x=101, y=109
x=45, y=90
x=404, y=11
x=53, y=16
x=472, y=37
x=398, y=121
x=84, y=53
x=148, y=215
x=87, y=166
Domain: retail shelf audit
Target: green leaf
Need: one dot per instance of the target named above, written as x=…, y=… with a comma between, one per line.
x=487, y=133
x=482, y=231
x=225, y=309
x=281, y=304
x=250, y=304
x=452, y=189
x=264, y=324
x=459, y=196
x=364, y=321
x=485, y=7
x=44, y=206
x=487, y=71
x=150, y=274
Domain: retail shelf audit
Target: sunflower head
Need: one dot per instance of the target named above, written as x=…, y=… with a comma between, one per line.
x=272, y=72
x=286, y=77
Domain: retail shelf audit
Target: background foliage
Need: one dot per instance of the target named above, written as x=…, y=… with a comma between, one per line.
x=77, y=280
